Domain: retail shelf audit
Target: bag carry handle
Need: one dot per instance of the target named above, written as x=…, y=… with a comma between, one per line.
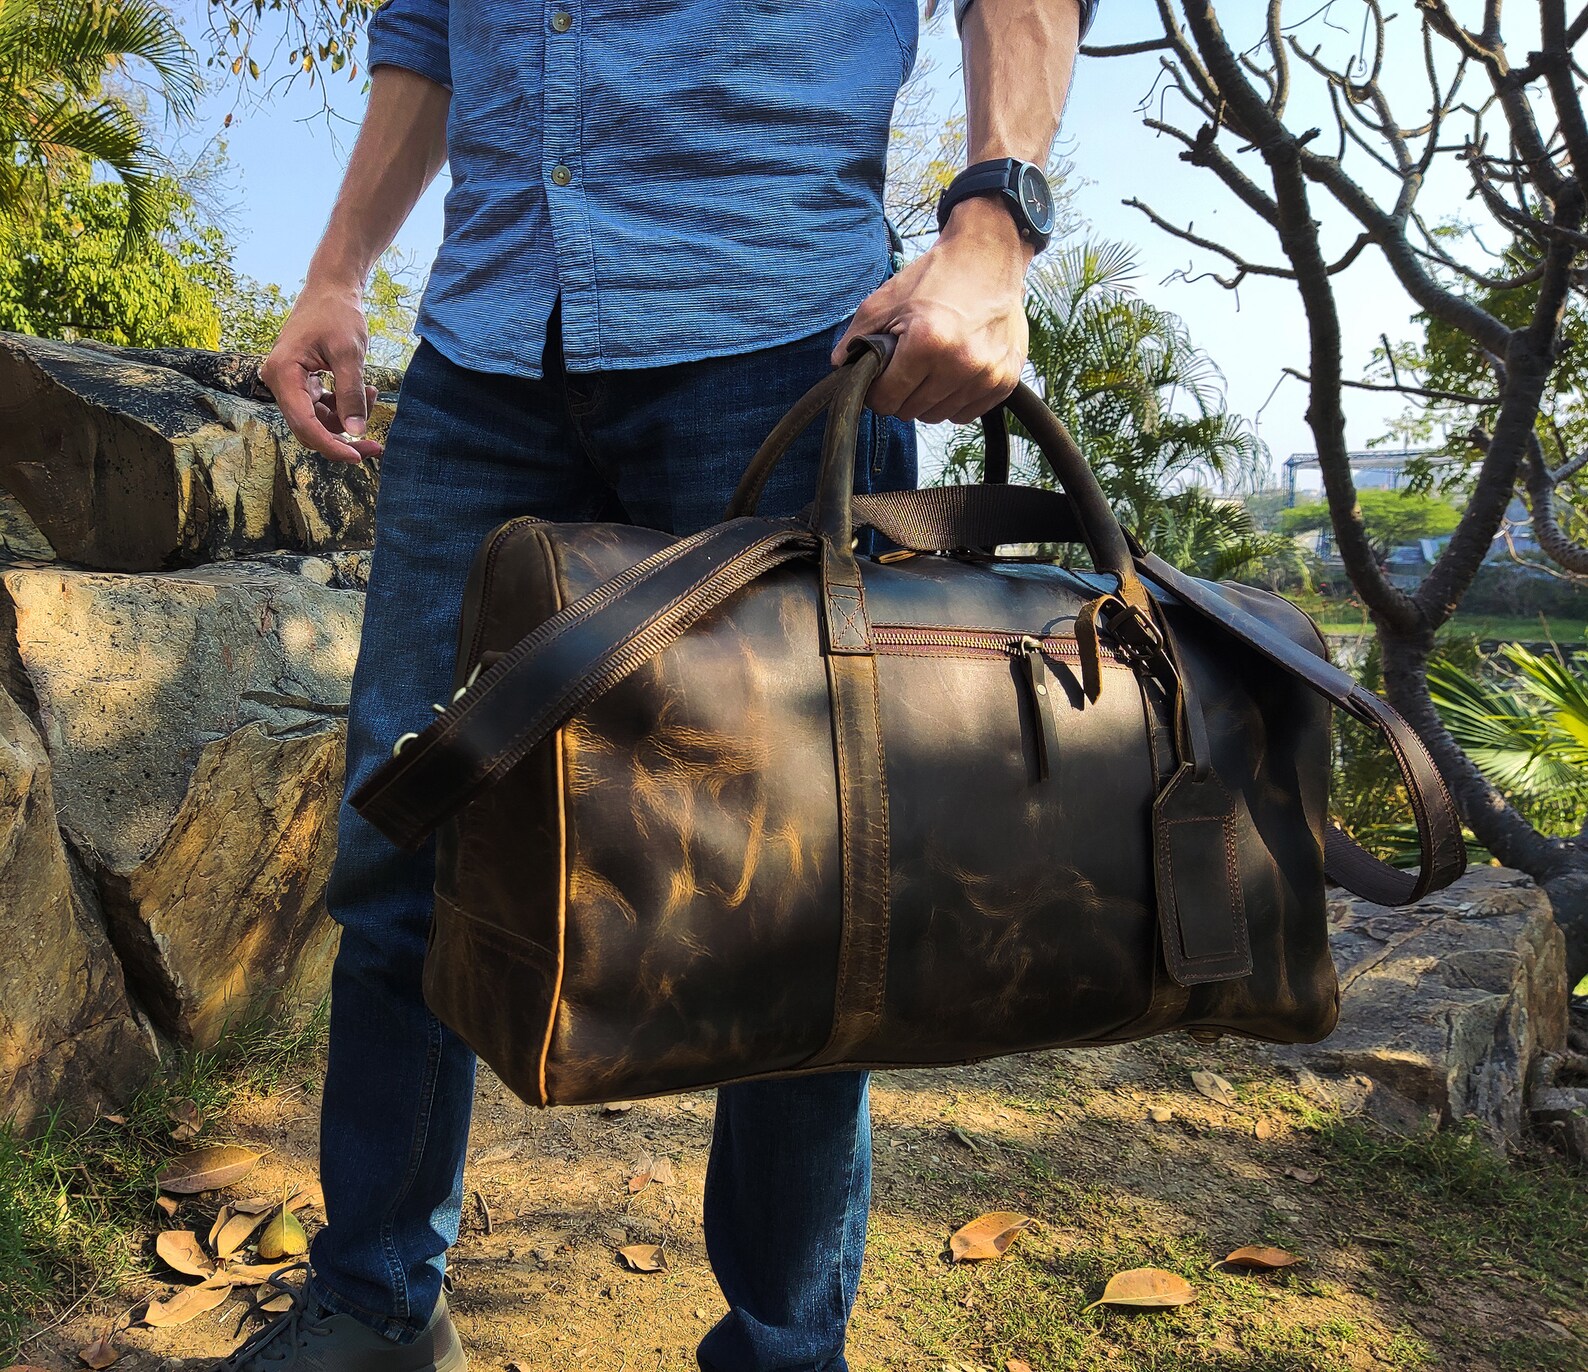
x=595, y=642
x=842, y=393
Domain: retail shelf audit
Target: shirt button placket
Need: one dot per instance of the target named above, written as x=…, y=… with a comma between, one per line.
x=562, y=168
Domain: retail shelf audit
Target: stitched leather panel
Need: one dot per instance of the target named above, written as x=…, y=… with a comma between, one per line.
x=704, y=880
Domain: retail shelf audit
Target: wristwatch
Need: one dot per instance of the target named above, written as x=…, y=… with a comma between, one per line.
x=1020, y=185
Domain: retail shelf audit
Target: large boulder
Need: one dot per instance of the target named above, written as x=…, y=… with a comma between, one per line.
x=68, y=1033
x=1447, y=1004
x=122, y=463
x=196, y=722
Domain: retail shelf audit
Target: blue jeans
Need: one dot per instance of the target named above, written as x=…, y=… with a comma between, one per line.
x=788, y=1184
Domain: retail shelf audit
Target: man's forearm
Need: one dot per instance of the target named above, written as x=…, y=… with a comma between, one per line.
x=1018, y=59
x=401, y=146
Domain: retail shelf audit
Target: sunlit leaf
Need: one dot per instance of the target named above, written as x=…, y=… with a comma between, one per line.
x=988, y=1236
x=1146, y=1288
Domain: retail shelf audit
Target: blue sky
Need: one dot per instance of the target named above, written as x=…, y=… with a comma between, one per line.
x=287, y=157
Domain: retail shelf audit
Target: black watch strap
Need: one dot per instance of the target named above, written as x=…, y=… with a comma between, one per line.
x=1000, y=177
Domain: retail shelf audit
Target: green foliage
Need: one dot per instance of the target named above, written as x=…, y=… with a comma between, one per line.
x=252, y=312
x=56, y=120
x=1392, y=518
x=1524, y=723
x=1145, y=405
x=64, y=274
x=391, y=303
x=324, y=34
x=1201, y=534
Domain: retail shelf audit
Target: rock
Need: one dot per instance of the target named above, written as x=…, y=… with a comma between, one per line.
x=196, y=723
x=235, y=373
x=68, y=1034
x=123, y=464
x=1446, y=1004
x=20, y=539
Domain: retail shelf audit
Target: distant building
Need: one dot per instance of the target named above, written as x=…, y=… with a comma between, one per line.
x=1389, y=470
x=1373, y=471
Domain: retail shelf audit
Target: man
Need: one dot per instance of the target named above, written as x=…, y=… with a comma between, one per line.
x=661, y=222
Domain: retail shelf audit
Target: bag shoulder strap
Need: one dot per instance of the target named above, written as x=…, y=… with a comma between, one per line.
x=1444, y=852
x=577, y=655
x=592, y=644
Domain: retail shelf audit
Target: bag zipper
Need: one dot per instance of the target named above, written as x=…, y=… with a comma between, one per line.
x=1029, y=651
x=928, y=641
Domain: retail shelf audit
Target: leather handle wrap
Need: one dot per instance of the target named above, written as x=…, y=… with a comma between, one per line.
x=842, y=393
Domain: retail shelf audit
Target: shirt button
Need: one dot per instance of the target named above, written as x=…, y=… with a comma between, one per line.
x=562, y=21
x=561, y=175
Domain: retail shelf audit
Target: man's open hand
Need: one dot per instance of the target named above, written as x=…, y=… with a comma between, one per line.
x=324, y=333
x=959, y=313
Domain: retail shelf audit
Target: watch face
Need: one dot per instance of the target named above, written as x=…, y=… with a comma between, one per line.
x=1036, y=198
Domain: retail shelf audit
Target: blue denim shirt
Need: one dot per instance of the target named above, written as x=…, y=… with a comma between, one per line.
x=694, y=178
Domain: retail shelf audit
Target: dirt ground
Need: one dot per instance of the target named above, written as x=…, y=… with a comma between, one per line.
x=1066, y=1138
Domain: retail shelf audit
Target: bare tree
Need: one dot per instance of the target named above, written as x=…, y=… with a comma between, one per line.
x=1517, y=135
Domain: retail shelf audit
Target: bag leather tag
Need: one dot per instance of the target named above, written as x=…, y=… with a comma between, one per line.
x=1200, y=909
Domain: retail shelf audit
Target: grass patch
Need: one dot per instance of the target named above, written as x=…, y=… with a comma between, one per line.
x=1349, y=617
x=74, y=1201
x=1464, y=1210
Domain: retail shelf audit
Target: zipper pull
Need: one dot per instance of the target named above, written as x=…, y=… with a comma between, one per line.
x=1041, y=684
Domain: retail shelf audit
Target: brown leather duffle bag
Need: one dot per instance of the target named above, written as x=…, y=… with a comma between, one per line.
x=749, y=804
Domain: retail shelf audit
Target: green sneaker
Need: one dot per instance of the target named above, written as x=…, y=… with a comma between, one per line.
x=307, y=1338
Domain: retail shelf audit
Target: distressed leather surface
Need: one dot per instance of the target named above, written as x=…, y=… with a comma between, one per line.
x=651, y=901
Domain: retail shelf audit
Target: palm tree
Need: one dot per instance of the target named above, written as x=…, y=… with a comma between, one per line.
x=55, y=115
x=1526, y=729
x=1145, y=405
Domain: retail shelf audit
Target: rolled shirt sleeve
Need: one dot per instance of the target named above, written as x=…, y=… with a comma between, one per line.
x=412, y=34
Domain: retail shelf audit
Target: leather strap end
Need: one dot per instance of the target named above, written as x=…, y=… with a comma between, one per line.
x=378, y=800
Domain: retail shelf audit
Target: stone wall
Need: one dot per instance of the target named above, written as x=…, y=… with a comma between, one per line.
x=181, y=589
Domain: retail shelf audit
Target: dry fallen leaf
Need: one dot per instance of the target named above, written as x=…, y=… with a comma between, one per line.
x=1214, y=1087
x=188, y=1303
x=310, y=1198
x=31, y=1367
x=179, y=1249
x=640, y=1178
x=232, y=1235
x=167, y=1204
x=1301, y=1174
x=616, y=1107
x=1263, y=1129
x=221, y=1216
x=282, y=1236
x=1016, y=1365
x=987, y=1237
x=1160, y=1114
x=662, y=1172
x=114, y=1119
x=254, y=1205
x=207, y=1169
x=643, y=1257
x=1264, y=1259
x=185, y=1115
x=1556, y=1327
x=99, y=1354
x=1146, y=1288
x=501, y=1153
x=276, y=1305
x=248, y=1273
